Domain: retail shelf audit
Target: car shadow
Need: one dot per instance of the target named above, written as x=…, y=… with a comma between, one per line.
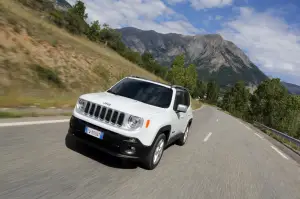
x=97, y=155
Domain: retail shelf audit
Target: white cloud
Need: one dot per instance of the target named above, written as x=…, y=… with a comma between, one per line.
x=203, y=4
x=143, y=14
x=175, y=1
x=269, y=40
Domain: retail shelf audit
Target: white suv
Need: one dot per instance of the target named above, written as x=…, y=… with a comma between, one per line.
x=136, y=118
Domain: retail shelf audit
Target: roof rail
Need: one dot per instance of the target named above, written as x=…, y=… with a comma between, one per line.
x=134, y=76
x=180, y=87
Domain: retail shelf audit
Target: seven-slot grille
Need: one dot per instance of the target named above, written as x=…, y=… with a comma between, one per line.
x=104, y=113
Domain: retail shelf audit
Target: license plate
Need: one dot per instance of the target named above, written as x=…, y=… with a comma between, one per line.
x=93, y=132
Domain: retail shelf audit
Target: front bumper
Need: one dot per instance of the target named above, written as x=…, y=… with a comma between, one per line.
x=112, y=143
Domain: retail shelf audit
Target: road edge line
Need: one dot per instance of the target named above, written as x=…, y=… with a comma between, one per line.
x=9, y=124
x=279, y=152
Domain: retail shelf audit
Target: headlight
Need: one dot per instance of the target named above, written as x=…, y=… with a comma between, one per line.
x=80, y=105
x=134, y=122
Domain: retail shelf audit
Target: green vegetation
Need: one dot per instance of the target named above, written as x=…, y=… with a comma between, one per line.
x=270, y=104
x=46, y=74
x=212, y=92
x=18, y=114
x=236, y=100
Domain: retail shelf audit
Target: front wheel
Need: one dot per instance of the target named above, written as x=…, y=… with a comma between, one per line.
x=184, y=137
x=155, y=154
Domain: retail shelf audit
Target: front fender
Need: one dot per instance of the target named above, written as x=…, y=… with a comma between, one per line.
x=156, y=127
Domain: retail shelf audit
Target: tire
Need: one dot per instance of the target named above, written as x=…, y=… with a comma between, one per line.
x=184, y=137
x=159, y=144
x=70, y=142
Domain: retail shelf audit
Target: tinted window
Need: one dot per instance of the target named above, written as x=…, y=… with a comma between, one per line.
x=187, y=98
x=145, y=92
x=179, y=99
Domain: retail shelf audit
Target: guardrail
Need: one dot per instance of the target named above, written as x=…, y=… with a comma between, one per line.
x=280, y=134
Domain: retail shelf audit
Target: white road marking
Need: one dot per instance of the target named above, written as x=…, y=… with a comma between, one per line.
x=278, y=151
x=217, y=120
x=32, y=122
x=247, y=127
x=260, y=136
x=207, y=137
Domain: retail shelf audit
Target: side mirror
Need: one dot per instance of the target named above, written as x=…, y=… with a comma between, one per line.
x=182, y=108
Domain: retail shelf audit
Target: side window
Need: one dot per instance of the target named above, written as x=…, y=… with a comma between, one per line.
x=179, y=99
x=187, y=98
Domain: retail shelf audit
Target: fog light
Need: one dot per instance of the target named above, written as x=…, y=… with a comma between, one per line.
x=130, y=150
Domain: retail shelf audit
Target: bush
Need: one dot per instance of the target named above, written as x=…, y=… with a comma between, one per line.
x=48, y=75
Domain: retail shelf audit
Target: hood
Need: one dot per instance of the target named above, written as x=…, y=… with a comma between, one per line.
x=123, y=104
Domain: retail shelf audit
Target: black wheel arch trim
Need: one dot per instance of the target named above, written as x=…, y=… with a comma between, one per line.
x=166, y=128
x=190, y=122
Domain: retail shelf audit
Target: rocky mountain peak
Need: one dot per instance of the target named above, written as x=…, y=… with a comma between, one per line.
x=214, y=57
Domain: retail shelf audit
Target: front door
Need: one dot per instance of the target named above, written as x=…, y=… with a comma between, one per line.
x=179, y=117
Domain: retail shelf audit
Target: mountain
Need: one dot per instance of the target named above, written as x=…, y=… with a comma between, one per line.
x=292, y=88
x=214, y=57
x=63, y=4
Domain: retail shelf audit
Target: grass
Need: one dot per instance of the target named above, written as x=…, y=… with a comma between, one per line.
x=41, y=64
x=16, y=114
x=196, y=104
x=47, y=74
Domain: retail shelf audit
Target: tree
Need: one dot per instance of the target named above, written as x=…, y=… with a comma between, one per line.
x=134, y=57
x=190, y=78
x=176, y=74
x=112, y=38
x=212, y=93
x=236, y=100
x=202, y=86
x=228, y=101
x=148, y=61
x=200, y=89
x=290, y=123
x=79, y=10
x=267, y=103
x=93, y=32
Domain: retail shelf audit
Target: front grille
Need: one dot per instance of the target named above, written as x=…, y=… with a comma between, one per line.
x=104, y=114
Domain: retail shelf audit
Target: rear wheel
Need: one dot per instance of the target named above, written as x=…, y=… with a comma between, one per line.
x=155, y=154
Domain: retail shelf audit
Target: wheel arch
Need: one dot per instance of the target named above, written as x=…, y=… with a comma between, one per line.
x=163, y=130
x=190, y=122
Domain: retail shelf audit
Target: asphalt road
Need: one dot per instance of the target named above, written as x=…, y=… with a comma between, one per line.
x=223, y=158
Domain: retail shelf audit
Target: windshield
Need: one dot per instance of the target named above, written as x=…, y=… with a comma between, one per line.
x=145, y=92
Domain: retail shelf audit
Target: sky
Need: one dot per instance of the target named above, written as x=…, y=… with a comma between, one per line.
x=268, y=31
